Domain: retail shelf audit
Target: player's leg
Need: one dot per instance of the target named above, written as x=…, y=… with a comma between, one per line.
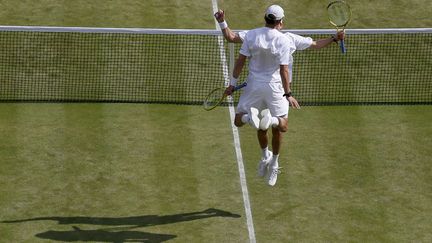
x=277, y=113
x=278, y=121
x=266, y=155
x=262, y=138
x=282, y=124
x=250, y=118
x=238, y=119
x=277, y=135
x=248, y=107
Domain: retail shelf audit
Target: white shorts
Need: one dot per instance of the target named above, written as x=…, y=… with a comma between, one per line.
x=264, y=95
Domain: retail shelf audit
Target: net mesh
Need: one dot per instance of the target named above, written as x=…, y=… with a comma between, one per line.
x=108, y=67
x=377, y=69
x=181, y=68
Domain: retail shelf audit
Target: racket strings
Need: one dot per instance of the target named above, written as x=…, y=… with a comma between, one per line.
x=213, y=99
x=339, y=13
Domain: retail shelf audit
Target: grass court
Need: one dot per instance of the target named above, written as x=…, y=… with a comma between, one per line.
x=105, y=172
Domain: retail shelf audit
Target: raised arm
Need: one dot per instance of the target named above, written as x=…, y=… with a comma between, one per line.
x=321, y=43
x=228, y=34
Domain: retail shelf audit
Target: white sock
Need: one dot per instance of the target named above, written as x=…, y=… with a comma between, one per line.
x=265, y=152
x=245, y=118
x=274, y=121
x=275, y=163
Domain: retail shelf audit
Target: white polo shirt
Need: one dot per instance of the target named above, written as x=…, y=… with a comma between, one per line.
x=297, y=43
x=266, y=49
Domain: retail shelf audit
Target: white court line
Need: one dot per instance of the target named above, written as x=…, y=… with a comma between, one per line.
x=240, y=164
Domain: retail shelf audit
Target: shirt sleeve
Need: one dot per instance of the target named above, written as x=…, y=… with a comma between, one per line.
x=244, y=50
x=299, y=41
x=242, y=34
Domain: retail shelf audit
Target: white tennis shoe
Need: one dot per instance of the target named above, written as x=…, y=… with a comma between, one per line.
x=266, y=120
x=254, y=119
x=263, y=164
x=273, y=175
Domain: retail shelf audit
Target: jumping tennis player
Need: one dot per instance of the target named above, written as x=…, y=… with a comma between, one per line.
x=268, y=91
x=270, y=72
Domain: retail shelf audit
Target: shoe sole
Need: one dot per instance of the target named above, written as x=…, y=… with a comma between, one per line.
x=266, y=120
x=269, y=182
x=255, y=121
x=272, y=183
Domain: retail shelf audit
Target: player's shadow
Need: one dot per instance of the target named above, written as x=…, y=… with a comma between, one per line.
x=101, y=235
x=120, y=227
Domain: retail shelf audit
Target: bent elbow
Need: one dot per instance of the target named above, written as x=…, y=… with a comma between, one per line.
x=231, y=38
x=314, y=45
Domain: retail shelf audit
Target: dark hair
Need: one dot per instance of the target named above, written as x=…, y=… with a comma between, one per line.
x=271, y=19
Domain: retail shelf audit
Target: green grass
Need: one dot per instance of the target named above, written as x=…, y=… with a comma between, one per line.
x=350, y=174
x=114, y=13
x=242, y=14
x=117, y=161
x=117, y=172
x=358, y=174
x=311, y=14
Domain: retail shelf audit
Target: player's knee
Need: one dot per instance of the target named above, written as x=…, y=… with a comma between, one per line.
x=283, y=128
x=237, y=121
x=283, y=125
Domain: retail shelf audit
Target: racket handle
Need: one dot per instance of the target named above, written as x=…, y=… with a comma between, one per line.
x=240, y=86
x=342, y=46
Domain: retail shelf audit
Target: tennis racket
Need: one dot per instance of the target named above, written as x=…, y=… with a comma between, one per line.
x=216, y=96
x=339, y=13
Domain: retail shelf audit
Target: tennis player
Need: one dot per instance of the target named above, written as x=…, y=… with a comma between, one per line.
x=268, y=89
x=279, y=123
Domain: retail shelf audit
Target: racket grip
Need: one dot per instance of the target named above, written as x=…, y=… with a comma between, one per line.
x=342, y=46
x=240, y=86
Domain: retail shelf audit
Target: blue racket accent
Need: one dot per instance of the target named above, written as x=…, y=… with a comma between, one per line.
x=240, y=86
x=342, y=46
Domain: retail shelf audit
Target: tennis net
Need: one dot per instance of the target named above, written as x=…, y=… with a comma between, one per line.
x=55, y=64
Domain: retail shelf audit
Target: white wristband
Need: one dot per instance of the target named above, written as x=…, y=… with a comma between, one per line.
x=233, y=81
x=223, y=25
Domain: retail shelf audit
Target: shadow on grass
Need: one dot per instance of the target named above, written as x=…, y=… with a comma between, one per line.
x=78, y=234
x=121, y=226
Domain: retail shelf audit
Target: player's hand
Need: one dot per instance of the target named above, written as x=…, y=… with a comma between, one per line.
x=220, y=16
x=293, y=102
x=229, y=90
x=340, y=35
